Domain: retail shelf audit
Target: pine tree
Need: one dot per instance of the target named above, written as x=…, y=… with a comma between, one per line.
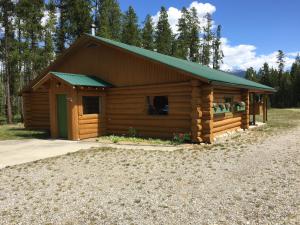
x=49, y=31
x=32, y=30
x=7, y=13
x=251, y=74
x=280, y=61
x=183, y=39
x=147, y=34
x=217, y=51
x=264, y=74
x=108, y=23
x=130, y=31
x=78, y=19
x=194, y=30
x=60, y=34
x=163, y=34
x=207, y=41
x=295, y=74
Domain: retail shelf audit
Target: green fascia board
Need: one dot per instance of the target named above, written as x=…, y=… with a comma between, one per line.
x=81, y=80
x=196, y=69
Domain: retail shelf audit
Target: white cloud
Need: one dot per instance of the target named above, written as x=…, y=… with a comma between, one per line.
x=45, y=17
x=174, y=14
x=238, y=57
x=241, y=57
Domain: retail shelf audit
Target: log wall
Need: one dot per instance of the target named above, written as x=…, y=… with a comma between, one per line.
x=228, y=121
x=36, y=109
x=127, y=107
x=91, y=125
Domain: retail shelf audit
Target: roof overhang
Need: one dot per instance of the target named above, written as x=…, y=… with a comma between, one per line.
x=75, y=80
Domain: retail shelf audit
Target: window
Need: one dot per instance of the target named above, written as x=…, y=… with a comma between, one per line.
x=158, y=105
x=90, y=105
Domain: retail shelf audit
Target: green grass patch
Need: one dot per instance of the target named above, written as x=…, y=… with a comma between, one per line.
x=279, y=119
x=17, y=132
x=137, y=140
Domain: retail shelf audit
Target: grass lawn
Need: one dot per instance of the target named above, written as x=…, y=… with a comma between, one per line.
x=17, y=131
x=279, y=119
x=136, y=140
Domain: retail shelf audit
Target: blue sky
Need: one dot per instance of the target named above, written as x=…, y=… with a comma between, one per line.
x=253, y=29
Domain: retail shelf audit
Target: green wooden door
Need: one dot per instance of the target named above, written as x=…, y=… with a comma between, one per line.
x=62, y=116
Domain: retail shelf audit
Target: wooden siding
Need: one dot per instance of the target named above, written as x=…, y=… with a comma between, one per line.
x=229, y=121
x=91, y=125
x=127, y=107
x=36, y=109
x=118, y=67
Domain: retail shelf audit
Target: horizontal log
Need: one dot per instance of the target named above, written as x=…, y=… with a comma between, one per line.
x=131, y=106
x=89, y=121
x=89, y=116
x=121, y=116
x=152, y=123
x=148, y=129
x=226, y=127
x=88, y=131
x=227, y=121
x=89, y=126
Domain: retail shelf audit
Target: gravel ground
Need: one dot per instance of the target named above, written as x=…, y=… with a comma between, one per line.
x=252, y=178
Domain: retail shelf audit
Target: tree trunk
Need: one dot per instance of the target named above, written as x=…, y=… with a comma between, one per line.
x=7, y=70
x=8, y=103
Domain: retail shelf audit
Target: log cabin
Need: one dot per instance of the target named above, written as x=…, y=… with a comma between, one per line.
x=100, y=87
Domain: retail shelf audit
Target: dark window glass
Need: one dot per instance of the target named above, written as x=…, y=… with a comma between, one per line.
x=158, y=105
x=90, y=105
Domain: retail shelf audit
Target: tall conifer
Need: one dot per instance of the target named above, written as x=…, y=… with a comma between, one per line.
x=108, y=23
x=194, y=39
x=130, y=31
x=163, y=34
x=147, y=34
x=183, y=39
x=217, y=51
x=207, y=41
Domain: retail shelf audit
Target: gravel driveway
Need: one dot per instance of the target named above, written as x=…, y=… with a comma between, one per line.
x=253, y=180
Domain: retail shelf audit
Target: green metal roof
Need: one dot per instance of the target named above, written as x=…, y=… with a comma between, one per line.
x=196, y=69
x=81, y=80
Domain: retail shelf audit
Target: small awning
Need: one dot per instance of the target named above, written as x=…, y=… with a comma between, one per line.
x=75, y=80
x=81, y=80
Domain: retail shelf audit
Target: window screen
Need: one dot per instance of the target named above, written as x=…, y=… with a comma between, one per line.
x=158, y=105
x=90, y=104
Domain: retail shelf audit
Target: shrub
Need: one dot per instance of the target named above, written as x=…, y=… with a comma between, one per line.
x=182, y=138
x=132, y=132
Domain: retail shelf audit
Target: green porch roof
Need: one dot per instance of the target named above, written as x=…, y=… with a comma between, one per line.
x=81, y=80
x=196, y=69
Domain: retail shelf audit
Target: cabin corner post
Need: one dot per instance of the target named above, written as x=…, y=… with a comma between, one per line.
x=196, y=113
x=73, y=115
x=207, y=93
x=52, y=108
x=246, y=113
